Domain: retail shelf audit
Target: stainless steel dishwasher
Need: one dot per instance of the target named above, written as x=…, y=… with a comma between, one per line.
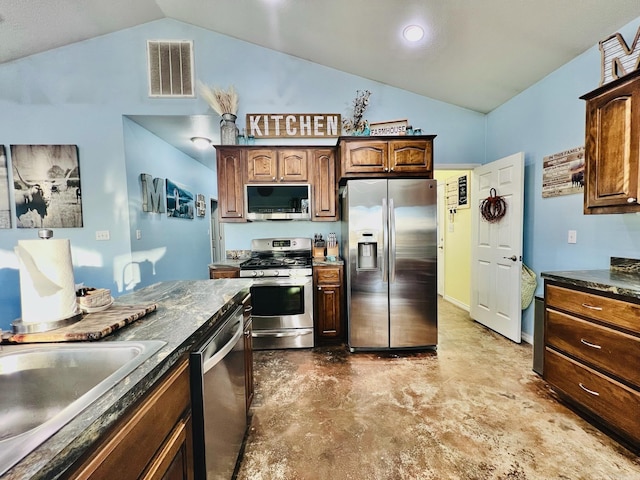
x=218, y=400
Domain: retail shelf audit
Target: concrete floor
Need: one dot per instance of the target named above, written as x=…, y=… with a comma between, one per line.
x=473, y=410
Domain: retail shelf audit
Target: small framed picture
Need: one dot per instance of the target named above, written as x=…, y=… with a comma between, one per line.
x=200, y=205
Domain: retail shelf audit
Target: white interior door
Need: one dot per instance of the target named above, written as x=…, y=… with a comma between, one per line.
x=441, y=229
x=496, y=256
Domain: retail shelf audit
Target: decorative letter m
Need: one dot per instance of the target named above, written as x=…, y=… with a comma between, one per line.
x=617, y=58
x=152, y=194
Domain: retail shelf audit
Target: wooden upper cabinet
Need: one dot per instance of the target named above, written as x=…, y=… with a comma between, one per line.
x=612, y=147
x=365, y=156
x=277, y=165
x=325, y=196
x=262, y=166
x=230, y=184
x=386, y=157
x=293, y=165
x=410, y=156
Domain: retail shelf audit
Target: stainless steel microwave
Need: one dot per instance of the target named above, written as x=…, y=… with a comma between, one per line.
x=273, y=201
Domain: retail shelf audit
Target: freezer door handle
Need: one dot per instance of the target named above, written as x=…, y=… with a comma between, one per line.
x=385, y=241
x=392, y=241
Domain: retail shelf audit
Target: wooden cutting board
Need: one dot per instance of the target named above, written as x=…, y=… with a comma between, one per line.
x=93, y=326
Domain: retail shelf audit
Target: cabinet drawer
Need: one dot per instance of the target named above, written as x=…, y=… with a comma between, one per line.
x=616, y=352
x=328, y=276
x=616, y=312
x=609, y=400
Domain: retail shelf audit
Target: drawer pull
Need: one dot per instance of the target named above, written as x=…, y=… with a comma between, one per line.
x=591, y=307
x=588, y=391
x=588, y=344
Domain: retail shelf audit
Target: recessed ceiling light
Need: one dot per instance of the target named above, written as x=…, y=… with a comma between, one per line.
x=413, y=33
x=201, y=143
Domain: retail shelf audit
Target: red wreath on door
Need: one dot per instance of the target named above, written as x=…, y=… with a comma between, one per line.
x=493, y=208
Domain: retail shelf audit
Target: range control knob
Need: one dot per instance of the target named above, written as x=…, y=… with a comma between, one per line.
x=276, y=273
x=254, y=273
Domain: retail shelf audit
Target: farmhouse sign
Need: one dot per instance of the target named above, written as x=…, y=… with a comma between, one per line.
x=617, y=58
x=300, y=125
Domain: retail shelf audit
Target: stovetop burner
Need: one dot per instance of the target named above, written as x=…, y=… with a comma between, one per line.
x=277, y=256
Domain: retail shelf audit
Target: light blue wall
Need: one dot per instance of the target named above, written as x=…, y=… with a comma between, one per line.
x=79, y=94
x=548, y=118
x=168, y=248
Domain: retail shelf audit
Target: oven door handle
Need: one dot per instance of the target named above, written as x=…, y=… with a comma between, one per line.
x=281, y=334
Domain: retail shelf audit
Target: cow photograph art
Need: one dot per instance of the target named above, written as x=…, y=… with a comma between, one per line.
x=46, y=186
x=180, y=203
x=5, y=210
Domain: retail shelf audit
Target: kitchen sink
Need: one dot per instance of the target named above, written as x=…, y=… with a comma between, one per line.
x=44, y=386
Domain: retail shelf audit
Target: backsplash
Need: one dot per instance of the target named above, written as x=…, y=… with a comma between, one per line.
x=238, y=254
x=625, y=265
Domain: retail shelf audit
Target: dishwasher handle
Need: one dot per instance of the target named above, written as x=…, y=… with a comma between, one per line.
x=211, y=362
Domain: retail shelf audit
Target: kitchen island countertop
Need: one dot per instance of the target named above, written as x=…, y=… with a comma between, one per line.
x=612, y=281
x=186, y=313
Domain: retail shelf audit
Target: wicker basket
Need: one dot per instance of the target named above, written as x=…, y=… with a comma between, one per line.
x=528, y=286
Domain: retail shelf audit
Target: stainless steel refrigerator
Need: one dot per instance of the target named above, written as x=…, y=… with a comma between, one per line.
x=390, y=247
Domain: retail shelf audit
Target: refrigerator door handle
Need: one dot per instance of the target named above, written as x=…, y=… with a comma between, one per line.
x=385, y=241
x=392, y=241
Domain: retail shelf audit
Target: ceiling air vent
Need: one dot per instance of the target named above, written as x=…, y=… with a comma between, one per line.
x=170, y=68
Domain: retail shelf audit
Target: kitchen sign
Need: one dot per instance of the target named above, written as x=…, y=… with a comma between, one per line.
x=297, y=125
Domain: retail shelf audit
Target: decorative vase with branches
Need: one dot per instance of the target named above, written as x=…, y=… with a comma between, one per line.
x=225, y=104
x=357, y=125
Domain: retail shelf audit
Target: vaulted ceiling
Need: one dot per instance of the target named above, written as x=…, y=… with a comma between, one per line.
x=475, y=53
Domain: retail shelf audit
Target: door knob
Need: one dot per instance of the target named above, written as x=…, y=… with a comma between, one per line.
x=513, y=258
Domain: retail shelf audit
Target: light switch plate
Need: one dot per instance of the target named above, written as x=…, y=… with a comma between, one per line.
x=103, y=235
x=572, y=237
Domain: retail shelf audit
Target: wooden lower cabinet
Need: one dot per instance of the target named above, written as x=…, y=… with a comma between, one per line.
x=153, y=441
x=223, y=271
x=328, y=304
x=591, y=358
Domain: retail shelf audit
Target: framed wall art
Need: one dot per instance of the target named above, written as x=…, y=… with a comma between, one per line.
x=46, y=186
x=180, y=203
x=201, y=207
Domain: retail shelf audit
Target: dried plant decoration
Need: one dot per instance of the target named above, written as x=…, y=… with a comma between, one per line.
x=356, y=124
x=220, y=100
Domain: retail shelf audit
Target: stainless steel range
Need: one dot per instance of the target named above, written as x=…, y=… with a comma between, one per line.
x=281, y=294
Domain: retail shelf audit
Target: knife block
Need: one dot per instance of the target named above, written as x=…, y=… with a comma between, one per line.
x=333, y=251
x=318, y=252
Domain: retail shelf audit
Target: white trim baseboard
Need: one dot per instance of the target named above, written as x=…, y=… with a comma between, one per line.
x=457, y=303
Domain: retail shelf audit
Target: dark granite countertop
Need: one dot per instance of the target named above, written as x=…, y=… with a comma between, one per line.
x=319, y=262
x=611, y=281
x=186, y=313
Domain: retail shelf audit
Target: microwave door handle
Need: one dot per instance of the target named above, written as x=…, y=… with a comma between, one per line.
x=385, y=241
x=392, y=241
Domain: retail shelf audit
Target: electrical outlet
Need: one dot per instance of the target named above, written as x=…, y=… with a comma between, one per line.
x=138, y=234
x=102, y=235
x=572, y=237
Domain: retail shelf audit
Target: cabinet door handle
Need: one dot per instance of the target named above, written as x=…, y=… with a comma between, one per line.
x=591, y=307
x=632, y=200
x=589, y=344
x=248, y=308
x=588, y=391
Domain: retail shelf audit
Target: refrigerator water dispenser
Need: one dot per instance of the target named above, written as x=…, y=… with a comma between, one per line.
x=367, y=253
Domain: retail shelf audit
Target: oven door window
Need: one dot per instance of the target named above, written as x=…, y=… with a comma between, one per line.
x=277, y=300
